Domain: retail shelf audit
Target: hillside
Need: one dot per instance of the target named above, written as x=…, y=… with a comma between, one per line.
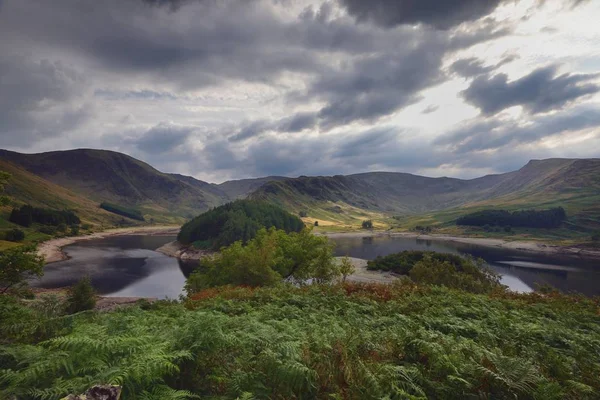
x=241, y=188
x=101, y=175
x=573, y=183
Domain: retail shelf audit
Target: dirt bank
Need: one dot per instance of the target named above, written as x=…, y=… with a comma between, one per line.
x=51, y=249
x=521, y=245
x=182, y=252
x=362, y=274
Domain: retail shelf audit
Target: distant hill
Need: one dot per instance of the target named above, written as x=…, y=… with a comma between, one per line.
x=101, y=175
x=85, y=178
x=573, y=183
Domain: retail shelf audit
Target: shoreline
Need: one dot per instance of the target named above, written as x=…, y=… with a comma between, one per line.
x=52, y=250
x=517, y=245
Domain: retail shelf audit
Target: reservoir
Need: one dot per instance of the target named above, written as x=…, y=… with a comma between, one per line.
x=129, y=266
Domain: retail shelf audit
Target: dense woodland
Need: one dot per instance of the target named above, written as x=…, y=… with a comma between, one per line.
x=27, y=215
x=123, y=211
x=239, y=220
x=551, y=218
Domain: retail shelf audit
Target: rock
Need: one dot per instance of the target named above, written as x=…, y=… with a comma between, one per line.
x=98, y=392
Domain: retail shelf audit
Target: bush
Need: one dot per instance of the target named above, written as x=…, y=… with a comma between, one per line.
x=81, y=296
x=14, y=235
x=268, y=259
x=316, y=223
x=368, y=224
x=239, y=220
x=47, y=230
x=74, y=230
x=17, y=265
x=470, y=275
x=303, y=214
x=401, y=263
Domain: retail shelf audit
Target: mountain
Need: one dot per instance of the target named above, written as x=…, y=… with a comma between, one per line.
x=572, y=183
x=239, y=189
x=32, y=189
x=101, y=175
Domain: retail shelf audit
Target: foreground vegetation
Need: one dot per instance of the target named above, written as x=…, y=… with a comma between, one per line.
x=239, y=220
x=351, y=341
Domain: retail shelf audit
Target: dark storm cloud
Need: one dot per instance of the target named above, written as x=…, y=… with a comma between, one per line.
x=495, y=133
x=440, y=14
x=540, y=91
x=34, y=99
x=163, y=138
x=472, y=67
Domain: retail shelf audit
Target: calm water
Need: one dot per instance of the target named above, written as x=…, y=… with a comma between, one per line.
x=129, y=266
x=520, y=271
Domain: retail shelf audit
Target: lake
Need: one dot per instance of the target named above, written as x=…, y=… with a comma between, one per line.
x=129, y=266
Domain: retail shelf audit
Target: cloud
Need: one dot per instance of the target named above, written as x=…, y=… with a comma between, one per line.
x=430, y=108
x=163, y=138
x=495, y=133
x=35, y=100
x=440, y=14
x=471, y=67
x=540, y=91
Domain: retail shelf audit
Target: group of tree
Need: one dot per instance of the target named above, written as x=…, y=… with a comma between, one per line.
x=434, y=268
x=27, y=215
x=367, y=224
x=236, y=221
x=551, y=218
x=271, y=257
x=128, y=212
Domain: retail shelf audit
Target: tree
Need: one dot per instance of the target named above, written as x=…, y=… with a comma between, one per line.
x=17, y=265
x=81, y=296
x=346, y=268
x=316, y=223
x=368, y=224
x=14, y=235
x=271, y=257
x=303, y=214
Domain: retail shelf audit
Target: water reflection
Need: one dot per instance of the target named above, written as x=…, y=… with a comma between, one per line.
x=129, y=266
x=520, y=271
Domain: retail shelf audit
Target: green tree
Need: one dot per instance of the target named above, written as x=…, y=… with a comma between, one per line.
x=14, y=235
x=368, y=224
x=268, y=259
x=346, y=268
x=81, y=296
x=17, y=265
x=316, y=223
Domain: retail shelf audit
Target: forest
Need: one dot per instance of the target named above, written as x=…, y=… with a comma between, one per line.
x=123, y=211
x=551, y=218
x=239, y=220
x=27, y=215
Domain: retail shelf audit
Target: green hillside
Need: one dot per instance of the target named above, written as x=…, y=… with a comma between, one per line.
x=101, y=176
x=414, y=200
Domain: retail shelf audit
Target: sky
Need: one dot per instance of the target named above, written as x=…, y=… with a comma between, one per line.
x=229, y=89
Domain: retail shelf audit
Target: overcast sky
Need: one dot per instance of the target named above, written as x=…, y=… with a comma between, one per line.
x=224, y=89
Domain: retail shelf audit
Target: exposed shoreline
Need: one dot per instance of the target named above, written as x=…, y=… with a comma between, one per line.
x=520, y=245
x=52, y=251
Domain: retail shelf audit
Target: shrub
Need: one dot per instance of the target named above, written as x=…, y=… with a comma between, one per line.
x=316, y=223
x=47, y=230
x=14, y=235
x=74, y=230
x=268, y=259
x=17, y=265
x=61, y=228
x=368, y=224
x=346, y=268
x=81, y=296
x=303, y=214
